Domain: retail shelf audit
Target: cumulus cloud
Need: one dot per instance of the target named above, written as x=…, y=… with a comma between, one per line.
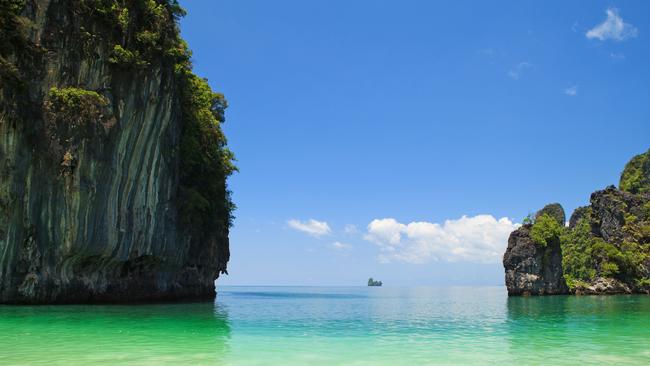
x=571, y=91
x=480, y=238
x=517, y=71
x=613, y=28
x=311, y=227
x=341, y=246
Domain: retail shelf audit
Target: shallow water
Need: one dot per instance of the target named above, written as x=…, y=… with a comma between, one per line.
x=335, y=326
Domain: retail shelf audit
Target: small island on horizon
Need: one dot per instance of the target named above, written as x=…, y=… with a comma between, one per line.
x=373, y=283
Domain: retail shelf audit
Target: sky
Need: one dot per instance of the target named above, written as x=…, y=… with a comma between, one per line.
x=405, y=140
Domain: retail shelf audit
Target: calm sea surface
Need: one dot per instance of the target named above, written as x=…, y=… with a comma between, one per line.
x=336, y=326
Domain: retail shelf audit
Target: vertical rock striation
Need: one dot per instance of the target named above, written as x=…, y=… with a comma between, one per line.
x=92, y=158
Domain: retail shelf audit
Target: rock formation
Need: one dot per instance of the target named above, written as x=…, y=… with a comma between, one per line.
x=604, y=250
x=372, y=282
x=533, y=269
x=113, y=163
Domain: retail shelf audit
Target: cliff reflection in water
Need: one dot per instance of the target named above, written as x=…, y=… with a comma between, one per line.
x=115, y=334
x=554, y=324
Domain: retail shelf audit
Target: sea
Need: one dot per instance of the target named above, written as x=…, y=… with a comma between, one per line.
x=336, y=326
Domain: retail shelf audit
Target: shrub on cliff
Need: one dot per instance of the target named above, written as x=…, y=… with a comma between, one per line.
x=71, y=115
x=545, y=230
x=126, y=58
x=75, y=106
x=553, y=210
x=635, y=178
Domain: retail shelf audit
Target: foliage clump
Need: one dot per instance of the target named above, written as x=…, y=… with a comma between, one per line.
x=553, y=210
x=635, y=178
x=142, y=32
x=586, y=256
x=15, y=48
x=125, y=58
x=545, y=230
x=72, y=115
x=206, y=161
x=75, y=106
x=577, y=259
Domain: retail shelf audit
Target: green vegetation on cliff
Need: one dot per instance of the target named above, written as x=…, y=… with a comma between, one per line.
x=206, y=162
x=608, y=239
x=116, y=167
x=555, y=211
x=586, y=256
x=146, y=32
x=135, y=36
x=636, y=175
x=545, y=230
x=74, y=105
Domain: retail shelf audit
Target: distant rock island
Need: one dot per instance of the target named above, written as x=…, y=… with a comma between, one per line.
x=604, y=249
x=372, y=282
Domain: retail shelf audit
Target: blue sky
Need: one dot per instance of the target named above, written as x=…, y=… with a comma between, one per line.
x=386, y=123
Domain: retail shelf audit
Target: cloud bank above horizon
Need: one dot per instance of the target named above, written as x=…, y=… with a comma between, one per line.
x=480, y=238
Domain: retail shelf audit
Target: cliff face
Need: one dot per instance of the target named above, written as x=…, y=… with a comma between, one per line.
x=604, y=250
x=532, y=269
x=98, y=122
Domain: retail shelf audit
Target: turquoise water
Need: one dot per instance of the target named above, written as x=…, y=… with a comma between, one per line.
x=335, y=326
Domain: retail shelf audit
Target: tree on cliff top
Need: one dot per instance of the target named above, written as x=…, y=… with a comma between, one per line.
x=635, y=178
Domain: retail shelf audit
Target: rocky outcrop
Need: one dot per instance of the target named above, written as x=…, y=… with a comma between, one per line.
x=578, y=214
x=603, y=286
x=611, y=207
x=604, y=250
x=532, y=269
x=95, y=109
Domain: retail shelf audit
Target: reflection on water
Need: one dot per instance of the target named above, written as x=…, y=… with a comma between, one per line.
x=109, y=334
x=335, y=326
x=580, y=329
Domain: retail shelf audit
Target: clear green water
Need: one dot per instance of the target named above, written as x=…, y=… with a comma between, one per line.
x=335, y=326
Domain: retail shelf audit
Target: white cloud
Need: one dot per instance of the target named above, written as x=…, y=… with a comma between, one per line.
x=350, y=229
x=480, y=238
x=341, y=246
x=613, y=28
x=387, y=231
x=311, y=227
x=571, y=91
x=617, y=56
x=517, y=71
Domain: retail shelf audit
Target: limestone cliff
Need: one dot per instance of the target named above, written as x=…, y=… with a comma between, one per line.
x=113, y=165
x=533, y=269
x=604, y=250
